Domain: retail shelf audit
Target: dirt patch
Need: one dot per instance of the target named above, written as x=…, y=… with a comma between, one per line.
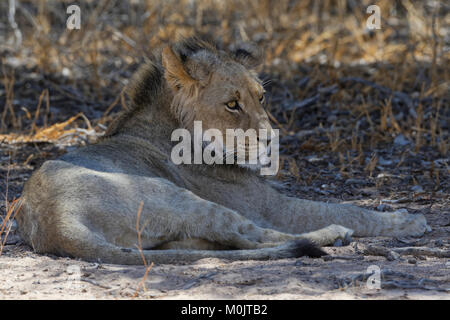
x=26, y=275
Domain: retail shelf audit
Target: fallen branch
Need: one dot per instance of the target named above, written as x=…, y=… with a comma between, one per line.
x=351, y=258
x=407, y=281
x=95, y=283
x=394, y=253
x=423, y=251
x=193, y=282
x=381, y=251
x=407, y=285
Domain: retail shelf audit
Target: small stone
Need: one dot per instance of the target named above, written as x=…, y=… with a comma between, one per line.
x=412, y=261
x=392, y=256
x=66, y=72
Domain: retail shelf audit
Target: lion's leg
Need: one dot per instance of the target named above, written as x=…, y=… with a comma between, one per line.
x=297, y=215
x=176, y=218
x=321, y=237
x=200, y=224
x=170, y=214
x=204, y=224
x=81, y=242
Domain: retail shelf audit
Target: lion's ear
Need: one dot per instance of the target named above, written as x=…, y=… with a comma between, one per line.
x=184, y=69
x=248, y=54
x=200, y=65
x=174, y=70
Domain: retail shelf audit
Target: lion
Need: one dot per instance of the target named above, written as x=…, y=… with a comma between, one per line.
x=85, y=204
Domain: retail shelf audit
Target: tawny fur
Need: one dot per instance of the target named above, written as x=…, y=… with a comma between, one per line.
x=85, y=204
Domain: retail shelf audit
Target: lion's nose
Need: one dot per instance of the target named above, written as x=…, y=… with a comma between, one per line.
x=266, y=134
x=266, y=138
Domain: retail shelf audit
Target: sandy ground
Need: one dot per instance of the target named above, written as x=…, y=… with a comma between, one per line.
x=27, y=275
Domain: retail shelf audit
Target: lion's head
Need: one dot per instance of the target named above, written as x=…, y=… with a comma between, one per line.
x=221, y=89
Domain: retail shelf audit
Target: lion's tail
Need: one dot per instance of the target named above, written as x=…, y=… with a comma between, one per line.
x=108, y=253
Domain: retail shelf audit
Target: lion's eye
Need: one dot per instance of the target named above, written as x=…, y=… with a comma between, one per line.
x=233, y=106
x=262, y=99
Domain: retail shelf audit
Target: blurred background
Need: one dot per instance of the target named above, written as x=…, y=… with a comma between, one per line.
x=363, y=114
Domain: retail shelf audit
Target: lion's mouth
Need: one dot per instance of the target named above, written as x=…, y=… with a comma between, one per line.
x=252, y=155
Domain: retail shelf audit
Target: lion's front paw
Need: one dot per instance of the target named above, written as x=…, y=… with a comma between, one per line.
x=406, y=224
x=340, y=232
x=329, y=235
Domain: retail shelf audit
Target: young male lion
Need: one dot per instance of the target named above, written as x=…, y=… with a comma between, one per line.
x=85, y=203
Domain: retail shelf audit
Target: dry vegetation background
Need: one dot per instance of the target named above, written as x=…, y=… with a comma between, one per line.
x=363, y=115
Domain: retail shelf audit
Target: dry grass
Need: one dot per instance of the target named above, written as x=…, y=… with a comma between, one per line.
x=148, y=266
x=379, y=74
x=11, y=209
